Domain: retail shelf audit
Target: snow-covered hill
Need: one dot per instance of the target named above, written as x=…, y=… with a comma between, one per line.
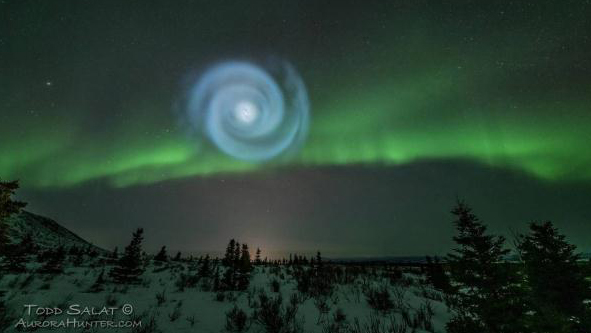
x=46, y=232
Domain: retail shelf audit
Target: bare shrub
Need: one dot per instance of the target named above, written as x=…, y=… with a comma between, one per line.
x=161, y=298
x=176, y=312
x=379, y=299
x=236, y=320
x=274, y=317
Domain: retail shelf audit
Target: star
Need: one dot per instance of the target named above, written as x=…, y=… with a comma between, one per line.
x=48, y=83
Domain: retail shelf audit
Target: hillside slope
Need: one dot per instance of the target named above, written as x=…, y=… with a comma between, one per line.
x=46, y=232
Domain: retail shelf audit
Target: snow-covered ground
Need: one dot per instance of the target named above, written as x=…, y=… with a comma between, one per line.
x=161, y=307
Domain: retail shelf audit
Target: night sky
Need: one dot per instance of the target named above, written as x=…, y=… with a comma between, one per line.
x=412, y=104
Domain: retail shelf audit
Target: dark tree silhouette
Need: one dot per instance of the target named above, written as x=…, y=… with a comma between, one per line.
x=8, y=207
x=115, y=253
x=488, y=300
x=161, y=256
x=129, y=266
x=177, y=257
x=257, y=258
x=205, y=267
x=14, y=255
x=556, y=285
x=113, y=256
x=318, y=265
x=436, y=274
x=237, y=256
x=244, y=269
x=237, y=267
x=229, y=256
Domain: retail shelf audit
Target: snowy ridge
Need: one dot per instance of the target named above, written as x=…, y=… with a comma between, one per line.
x=46, y=232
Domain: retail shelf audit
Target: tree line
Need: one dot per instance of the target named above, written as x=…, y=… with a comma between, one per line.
x=543, y=290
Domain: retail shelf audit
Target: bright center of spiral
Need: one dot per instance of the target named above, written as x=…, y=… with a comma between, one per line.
x=252, y=112
x=246, y=112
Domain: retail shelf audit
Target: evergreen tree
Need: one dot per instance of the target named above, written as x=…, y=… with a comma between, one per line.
x=238, y=267
x=244, y=269
x=229, y=256
x=177, y=257
x=228, y=281
x=8, y=207
x=115, y=253
x=161, y=256
x=257, y=259
x=488, y=300
x=237, y=256
x=245, y=263
x=204, y=268
x=129, y=267
x=436, y=274
x=318, y=263
x=556, y=285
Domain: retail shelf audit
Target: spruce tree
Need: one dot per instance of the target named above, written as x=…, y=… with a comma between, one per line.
x=229, y=256
x=237, y=255
x=556, y=285
x=228, y=280
x=204, y=269
x=113, y=256
x=244, y=269
x=436, y=274
x=8, y=207
x=318, y=263
x=257, y=259
x=488, y=300
x=245, y=263
x=130, y=266
x=177, y=257
x=161, y=256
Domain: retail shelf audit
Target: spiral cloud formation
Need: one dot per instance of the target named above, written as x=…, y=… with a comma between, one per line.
x=250, y=112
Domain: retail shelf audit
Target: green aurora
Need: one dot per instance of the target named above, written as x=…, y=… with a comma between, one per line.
x=509, y=91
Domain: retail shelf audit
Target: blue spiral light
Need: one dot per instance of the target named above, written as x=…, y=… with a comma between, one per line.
x=248, y=112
